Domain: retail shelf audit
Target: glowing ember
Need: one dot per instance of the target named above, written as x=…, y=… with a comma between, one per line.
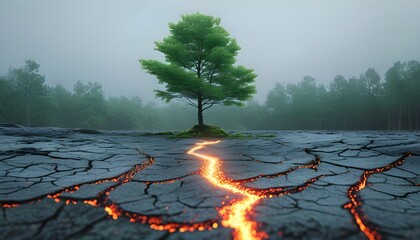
x=112, y=211
x=355, y=204
x=93, y=202
x=12, y=205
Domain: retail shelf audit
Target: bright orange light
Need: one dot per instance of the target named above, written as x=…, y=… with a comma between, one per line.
x=11, y=205
x=93, y=202
x=236, y=215
x=112, y=211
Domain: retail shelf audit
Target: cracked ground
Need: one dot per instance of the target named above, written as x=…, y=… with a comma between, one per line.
x=77, y=184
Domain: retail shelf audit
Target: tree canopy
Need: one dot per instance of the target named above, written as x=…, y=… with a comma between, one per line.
x=199, y=65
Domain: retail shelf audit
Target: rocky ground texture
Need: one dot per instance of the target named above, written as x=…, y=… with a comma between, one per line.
x=81, y=184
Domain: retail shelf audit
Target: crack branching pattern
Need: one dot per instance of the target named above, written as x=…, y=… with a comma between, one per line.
x=234, y=216
x=115, y=211
x=355, y=204
x=238, y=214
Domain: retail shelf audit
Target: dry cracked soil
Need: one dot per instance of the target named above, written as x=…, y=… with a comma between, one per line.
x=79, y=184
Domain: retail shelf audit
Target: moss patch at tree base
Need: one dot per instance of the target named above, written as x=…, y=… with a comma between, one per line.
x=203, y=131
x=208, y=131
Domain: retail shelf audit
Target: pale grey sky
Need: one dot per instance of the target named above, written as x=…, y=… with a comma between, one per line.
x=102, y=40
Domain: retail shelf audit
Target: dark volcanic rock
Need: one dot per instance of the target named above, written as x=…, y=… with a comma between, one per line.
x=72, y=184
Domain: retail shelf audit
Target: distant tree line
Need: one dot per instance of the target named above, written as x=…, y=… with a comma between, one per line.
x=358, y=103
x=363, y=102
x=26, y=99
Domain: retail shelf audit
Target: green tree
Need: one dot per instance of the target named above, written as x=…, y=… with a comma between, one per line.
x=199, y=68
x=29, y=84
x=401, y=88
x=413, y=90
x=88, y=106
x=6, y=100
x=395, y=92
x=373, y=81
x=63, y=101
x=278, y=105
x=370, y=106
x=305, y=104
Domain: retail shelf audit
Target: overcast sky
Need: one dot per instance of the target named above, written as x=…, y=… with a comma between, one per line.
x=102, y=41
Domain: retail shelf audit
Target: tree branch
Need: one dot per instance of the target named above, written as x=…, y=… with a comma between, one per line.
x=209, y=106
x=187, y=101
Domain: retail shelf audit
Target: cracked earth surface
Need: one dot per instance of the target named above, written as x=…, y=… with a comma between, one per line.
x=70, y=184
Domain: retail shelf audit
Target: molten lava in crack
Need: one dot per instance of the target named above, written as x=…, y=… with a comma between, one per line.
x=236, y=215
x=355, y=204
x=102, y=200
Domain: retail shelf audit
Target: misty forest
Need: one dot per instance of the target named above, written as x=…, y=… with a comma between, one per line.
x=172, y=120
x=362, y=102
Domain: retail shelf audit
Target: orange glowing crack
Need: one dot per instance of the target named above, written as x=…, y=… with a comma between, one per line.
x=236, y=215
x=11, y=205
x=355, y=204
x=102, y=200
x=311, y=165
x=155, y=222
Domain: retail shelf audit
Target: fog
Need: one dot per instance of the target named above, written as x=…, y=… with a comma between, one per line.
x=283, y=41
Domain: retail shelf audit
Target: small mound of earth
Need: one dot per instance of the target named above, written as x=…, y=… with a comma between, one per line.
x=203, y=131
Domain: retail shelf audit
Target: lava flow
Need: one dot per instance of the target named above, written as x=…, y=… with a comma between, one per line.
x=102, y=200
x=236, y=215
x=355, y=204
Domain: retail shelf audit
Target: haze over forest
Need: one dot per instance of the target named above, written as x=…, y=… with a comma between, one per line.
x=358, y=103
x=320, y=65
x=283, y=41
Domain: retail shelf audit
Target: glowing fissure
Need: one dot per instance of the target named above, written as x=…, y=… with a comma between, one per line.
x=355, y=204
x=114, y=211
x=236, y=215
x=311, y=165
x=154, y=221
x=121, y=179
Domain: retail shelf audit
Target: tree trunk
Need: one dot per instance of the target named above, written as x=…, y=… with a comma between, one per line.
x=417, y=117
x=389, y=119
x=400, y=118
x=200, y=112
x=28, y=111
x=409, y=115
x=28, y=101
x=3, y=114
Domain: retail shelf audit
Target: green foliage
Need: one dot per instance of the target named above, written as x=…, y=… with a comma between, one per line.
x=373, y=82
x=350, y=104
x=199, y=68
x=6, y=100
x=401, y=91
x=357, y=103
x=27, y=86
